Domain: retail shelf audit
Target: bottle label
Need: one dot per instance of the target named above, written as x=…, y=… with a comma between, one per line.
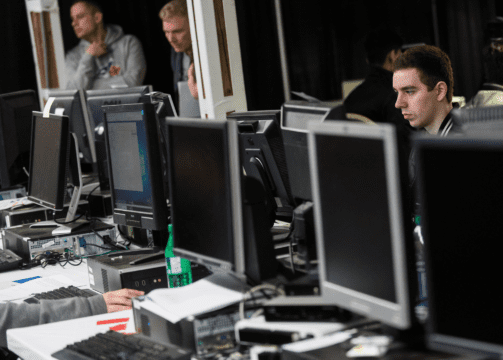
x=174, y=265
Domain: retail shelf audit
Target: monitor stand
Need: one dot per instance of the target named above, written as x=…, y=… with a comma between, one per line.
x=76, y=180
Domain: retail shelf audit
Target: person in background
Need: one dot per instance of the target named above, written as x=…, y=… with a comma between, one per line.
x=14, y=315
x=176, y=27
x=104, y=57
x=491, y=93
x=375, y=98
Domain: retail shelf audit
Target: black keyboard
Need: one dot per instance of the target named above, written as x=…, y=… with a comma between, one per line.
x=114, y=345
x=61, y=293
x=9, y=260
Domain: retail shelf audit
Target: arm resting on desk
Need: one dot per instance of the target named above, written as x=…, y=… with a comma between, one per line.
x=22, y=315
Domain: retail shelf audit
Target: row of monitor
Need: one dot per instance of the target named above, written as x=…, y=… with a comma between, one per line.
x=363, y=221
x=84, y=109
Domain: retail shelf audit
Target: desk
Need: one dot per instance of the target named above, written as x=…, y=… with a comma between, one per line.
x=39, y=342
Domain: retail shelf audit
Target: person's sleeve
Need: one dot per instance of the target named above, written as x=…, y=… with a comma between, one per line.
x=79, y=72
x=22, y=315
x=136, y=65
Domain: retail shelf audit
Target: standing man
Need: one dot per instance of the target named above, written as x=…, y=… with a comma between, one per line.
x=423, y=81
x=105, y=57
x=176, y=27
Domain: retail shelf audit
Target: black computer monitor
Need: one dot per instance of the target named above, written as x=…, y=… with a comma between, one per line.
x=15, y=129
x=363, y=233
x=135, y=166
x=295, y=115
x=53, y=160
x=263, y=156
x=213, y=212
x=72, y=103
x=460, y=189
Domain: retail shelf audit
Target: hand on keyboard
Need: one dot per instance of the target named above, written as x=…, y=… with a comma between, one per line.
x=120, y=300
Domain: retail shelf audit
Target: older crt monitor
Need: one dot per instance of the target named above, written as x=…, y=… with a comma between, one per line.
x=263, y=156
x=135, y=166
x=15, y=129
x=461, y=195
x=72, y=103
x=295, y=115
x=364, y=242
x=205, y=193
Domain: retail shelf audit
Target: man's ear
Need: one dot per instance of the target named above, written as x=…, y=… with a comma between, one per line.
x=98, y=17
x=441, y=89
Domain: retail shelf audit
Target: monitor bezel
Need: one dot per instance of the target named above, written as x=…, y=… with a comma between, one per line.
x=435, y=340
x=85, y=114
x=397, y=314
x=229, y=128
x=157, y=218
x=63, y=161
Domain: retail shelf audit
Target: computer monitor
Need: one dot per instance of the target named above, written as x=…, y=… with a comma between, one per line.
x=363, y=233
x=459, y=182
x=215, y=211
x=295, y=115
x=135, y=166
x=53, y=158
x=72, y=103
x=15, y=129
x=121, y=96
x=95, y=100
x=473, y=117
x=263, y=156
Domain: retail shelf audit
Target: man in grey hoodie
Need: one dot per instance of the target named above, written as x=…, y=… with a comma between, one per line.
x=105, y=57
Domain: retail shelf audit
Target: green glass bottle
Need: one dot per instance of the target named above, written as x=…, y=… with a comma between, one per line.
x=178, y=269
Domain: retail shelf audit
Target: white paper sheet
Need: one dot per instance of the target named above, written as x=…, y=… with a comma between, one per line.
x=35, y=286
x=197, y=298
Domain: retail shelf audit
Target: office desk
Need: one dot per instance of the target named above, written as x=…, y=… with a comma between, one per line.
x=39, y=342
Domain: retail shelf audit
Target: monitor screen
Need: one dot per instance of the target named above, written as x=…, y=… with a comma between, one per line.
x=15, y=126
x=50, y=152
x=360, y=220
x=72, y=103
x=135, y=168
x=460, y=192
x=205, y=192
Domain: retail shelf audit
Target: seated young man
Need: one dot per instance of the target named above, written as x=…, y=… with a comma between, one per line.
x=423, y=81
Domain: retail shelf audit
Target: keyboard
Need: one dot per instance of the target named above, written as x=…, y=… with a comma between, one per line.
x=9, y=260
x=61, y=293
x=114, y=345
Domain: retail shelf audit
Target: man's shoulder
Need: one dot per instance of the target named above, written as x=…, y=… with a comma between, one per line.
x=77, y=51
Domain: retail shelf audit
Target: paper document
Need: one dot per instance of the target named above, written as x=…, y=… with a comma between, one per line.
x=12, y=203
x=35, y=286
x=196, y=298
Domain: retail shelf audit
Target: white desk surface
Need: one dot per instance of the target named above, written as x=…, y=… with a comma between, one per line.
x=39, y=342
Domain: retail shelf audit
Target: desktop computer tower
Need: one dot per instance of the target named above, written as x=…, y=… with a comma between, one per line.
x=114, y=272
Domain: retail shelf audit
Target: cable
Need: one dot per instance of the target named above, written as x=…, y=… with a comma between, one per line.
x=254, y=289
x=69, y=222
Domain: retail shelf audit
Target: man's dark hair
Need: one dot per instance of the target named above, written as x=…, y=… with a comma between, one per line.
x=95, y=6
x=432, y=64
x=492, y=55
x=379, y=42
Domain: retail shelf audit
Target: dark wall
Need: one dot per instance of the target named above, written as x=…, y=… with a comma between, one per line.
x=324, y=45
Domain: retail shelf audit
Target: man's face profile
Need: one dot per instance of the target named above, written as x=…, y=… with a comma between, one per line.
x=84, y=21
x=177, y=31
x=418, y=105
